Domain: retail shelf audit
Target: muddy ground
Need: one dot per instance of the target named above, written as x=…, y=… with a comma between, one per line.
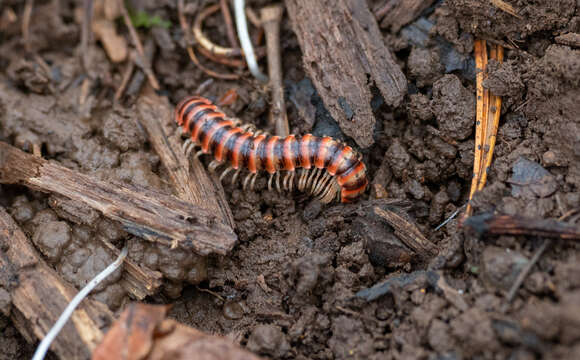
x=288, y=290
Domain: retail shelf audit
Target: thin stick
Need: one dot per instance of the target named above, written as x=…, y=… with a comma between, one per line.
x=229, y=24
x=140, y=50
x=524, y=273
x=26, y=15
x=126, y=77
x=243, y=34
x=66, y=314
x=86, y=32
x=271, y=17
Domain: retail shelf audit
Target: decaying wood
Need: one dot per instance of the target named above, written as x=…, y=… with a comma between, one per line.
x=519, y=225
x=143, y=212
x=344, y=53
x=397, y=13
x=189, y=178
x=142, y=332
x=39, y=296
x=408, y=233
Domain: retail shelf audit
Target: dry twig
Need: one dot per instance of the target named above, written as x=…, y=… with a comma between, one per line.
x=271, y=17
x=140, y=50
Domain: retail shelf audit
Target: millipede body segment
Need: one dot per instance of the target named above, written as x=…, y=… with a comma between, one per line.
x=329, y=168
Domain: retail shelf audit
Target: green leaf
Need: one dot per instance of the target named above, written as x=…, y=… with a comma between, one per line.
x=143, y=20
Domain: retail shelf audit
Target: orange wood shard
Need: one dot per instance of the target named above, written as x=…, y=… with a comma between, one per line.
x=488, y=111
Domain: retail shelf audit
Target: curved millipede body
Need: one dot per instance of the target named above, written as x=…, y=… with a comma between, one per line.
x=329, y=168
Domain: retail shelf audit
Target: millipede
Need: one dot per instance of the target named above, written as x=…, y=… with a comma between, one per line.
x=329, y=169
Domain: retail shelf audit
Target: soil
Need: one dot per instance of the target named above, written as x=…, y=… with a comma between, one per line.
x=289, y=288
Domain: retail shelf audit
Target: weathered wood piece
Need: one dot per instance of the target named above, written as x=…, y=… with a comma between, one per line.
x=39, y=296
x=344, y=53
x=518, y=225
x=189, y=178
x=143, y=212
x=397, y=13
x=408, y=233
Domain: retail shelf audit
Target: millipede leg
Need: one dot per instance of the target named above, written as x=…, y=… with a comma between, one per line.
x=246, y=180
x=270, y=182
x=330, y=193
x=285, y=180
x=213, y=165
x=252, y=185
x=302, y=179
x=291, y=182
x=186, y=143
x=278, y=181
x=198, y=154
x=315, y=182
x=226, y=170
x=236, y=174
x=308, y=184
x=323, y=184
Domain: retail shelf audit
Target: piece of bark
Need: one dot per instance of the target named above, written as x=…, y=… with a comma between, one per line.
x=344, y=53
x=189, y=178
x=518, y=225
x=397, y=13
x=143, y=212
x=408, y=233
x=39, y=296
x=143, y=333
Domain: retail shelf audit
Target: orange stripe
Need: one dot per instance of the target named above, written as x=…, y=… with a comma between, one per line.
x=344, y=179
x=305, y=151
x=211, y=132
x=287, y=154
x=252, y=164
x=344, y=193
x=270, y=166
x=198, y=125
x=185, y=104
x=236, y=150
x=220, y=147
x=343, y=155
x=322, y=151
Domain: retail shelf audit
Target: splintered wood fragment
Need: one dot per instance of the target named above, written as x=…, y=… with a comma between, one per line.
x=189, y=178
x=139, y=281
x=397, y=13
x=142, y=212
x=408, y=233
x=488, y=112
x=39, y=296
x=344, y=54
x=519, y=225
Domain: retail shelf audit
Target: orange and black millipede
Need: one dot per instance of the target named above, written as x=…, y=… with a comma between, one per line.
x=330, y=169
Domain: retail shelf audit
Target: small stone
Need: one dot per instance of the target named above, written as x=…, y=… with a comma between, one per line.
x=233, y=310
x=268, y=340
x=501, y=267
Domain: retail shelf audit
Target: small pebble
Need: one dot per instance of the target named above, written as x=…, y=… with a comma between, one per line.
x=233, y=310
